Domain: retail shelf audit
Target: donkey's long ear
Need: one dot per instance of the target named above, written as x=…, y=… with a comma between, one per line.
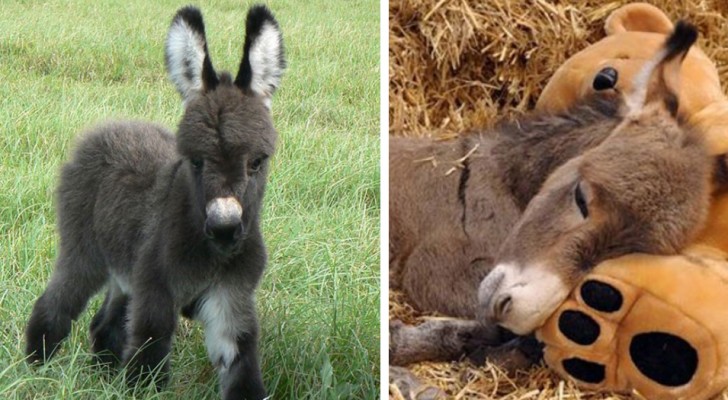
x=658, y=82
x=186, y=56
x=263, y=60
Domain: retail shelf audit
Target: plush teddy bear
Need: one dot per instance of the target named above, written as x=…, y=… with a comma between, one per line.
x=657, y=325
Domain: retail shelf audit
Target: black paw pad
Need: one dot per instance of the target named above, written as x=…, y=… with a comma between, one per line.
x=579, y=327
x=664, y=358
x=601, y=296
x=605, y=79
x=585, y=371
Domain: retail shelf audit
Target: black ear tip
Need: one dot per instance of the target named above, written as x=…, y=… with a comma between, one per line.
x=257, y=16
x=260, y=11
x=687, y=29
x=192, y=16
x=682, y=37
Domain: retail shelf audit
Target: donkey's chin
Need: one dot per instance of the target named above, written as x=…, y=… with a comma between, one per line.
x=226, y=247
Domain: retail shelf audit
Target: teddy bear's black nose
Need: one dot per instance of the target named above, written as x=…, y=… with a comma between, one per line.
x=605, y=79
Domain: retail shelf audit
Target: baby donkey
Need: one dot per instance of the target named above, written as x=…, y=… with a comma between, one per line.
x=172, y=224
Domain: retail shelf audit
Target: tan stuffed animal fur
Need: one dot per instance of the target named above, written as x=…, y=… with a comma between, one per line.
x=657, y=325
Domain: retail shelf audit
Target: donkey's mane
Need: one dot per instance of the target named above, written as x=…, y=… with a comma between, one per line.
x=540, y=125
x=546, y=141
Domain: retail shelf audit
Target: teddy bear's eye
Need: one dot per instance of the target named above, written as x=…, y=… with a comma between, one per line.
x=605, y=79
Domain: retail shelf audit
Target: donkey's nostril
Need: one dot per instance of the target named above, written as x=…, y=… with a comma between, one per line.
x=224, y=233
x=501, y=306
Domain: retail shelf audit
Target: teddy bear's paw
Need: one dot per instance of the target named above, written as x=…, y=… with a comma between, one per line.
x=660, y=356
x=610, y=335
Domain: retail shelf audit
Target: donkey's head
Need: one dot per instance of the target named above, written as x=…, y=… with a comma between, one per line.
x=226, y=136
x=644, y=189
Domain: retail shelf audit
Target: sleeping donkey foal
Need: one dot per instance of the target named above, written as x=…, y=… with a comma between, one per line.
x=172, y=224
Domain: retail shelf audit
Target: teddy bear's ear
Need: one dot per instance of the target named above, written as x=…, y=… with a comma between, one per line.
x=638, y=17
x=657, y=84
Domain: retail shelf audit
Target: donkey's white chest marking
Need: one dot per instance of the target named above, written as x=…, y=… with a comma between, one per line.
x=225, y=320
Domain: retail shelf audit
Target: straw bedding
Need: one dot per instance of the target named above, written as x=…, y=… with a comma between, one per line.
x=456, y=64
x=460, y=64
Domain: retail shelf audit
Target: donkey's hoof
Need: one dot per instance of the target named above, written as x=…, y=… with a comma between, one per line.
x=409, y=387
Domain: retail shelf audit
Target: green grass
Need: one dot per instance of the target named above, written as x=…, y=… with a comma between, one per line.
x=65, y=66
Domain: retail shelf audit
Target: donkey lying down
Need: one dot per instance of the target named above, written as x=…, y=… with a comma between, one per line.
x=499, y=226
x=172, y=224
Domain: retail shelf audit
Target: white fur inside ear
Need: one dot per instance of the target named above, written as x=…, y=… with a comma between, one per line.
x=185, y=54
x=265, y=62
x=635, y=101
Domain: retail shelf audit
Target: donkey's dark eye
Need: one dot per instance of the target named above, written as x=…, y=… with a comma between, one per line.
x=581, y=201
x=256, y=164
x=197, y=163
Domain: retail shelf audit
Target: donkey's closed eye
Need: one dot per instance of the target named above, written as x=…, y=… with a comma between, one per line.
x=581, y=201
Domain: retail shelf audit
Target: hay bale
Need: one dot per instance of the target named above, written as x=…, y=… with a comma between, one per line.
x=461, y=64
x=456, y=65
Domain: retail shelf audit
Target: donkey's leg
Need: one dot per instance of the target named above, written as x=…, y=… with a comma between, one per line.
x=442, y=339
x=152, y=322
x=75, y=279
x=99, y=316
x=243, y=378
x=108, y=329
x=231, y=337
x=445, y=339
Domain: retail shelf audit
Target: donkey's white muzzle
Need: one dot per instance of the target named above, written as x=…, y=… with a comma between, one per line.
x=520, y=298
x=224, y=218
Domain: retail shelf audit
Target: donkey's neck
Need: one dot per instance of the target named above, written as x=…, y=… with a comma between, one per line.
x=525, y=152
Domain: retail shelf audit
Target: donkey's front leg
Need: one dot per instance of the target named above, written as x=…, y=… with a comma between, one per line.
x=152, y=325
x=231, y=338
x=243, y=379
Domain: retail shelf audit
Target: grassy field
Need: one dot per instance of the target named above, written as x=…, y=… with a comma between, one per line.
x=68, y=65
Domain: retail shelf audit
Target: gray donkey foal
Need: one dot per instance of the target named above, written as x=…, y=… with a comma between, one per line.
x=172, y=224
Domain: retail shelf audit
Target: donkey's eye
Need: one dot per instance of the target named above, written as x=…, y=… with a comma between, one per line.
x=256, y=164
x=197, y=163
x=581, y=201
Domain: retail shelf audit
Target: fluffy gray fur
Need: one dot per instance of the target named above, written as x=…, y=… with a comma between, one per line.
x=131, y=209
